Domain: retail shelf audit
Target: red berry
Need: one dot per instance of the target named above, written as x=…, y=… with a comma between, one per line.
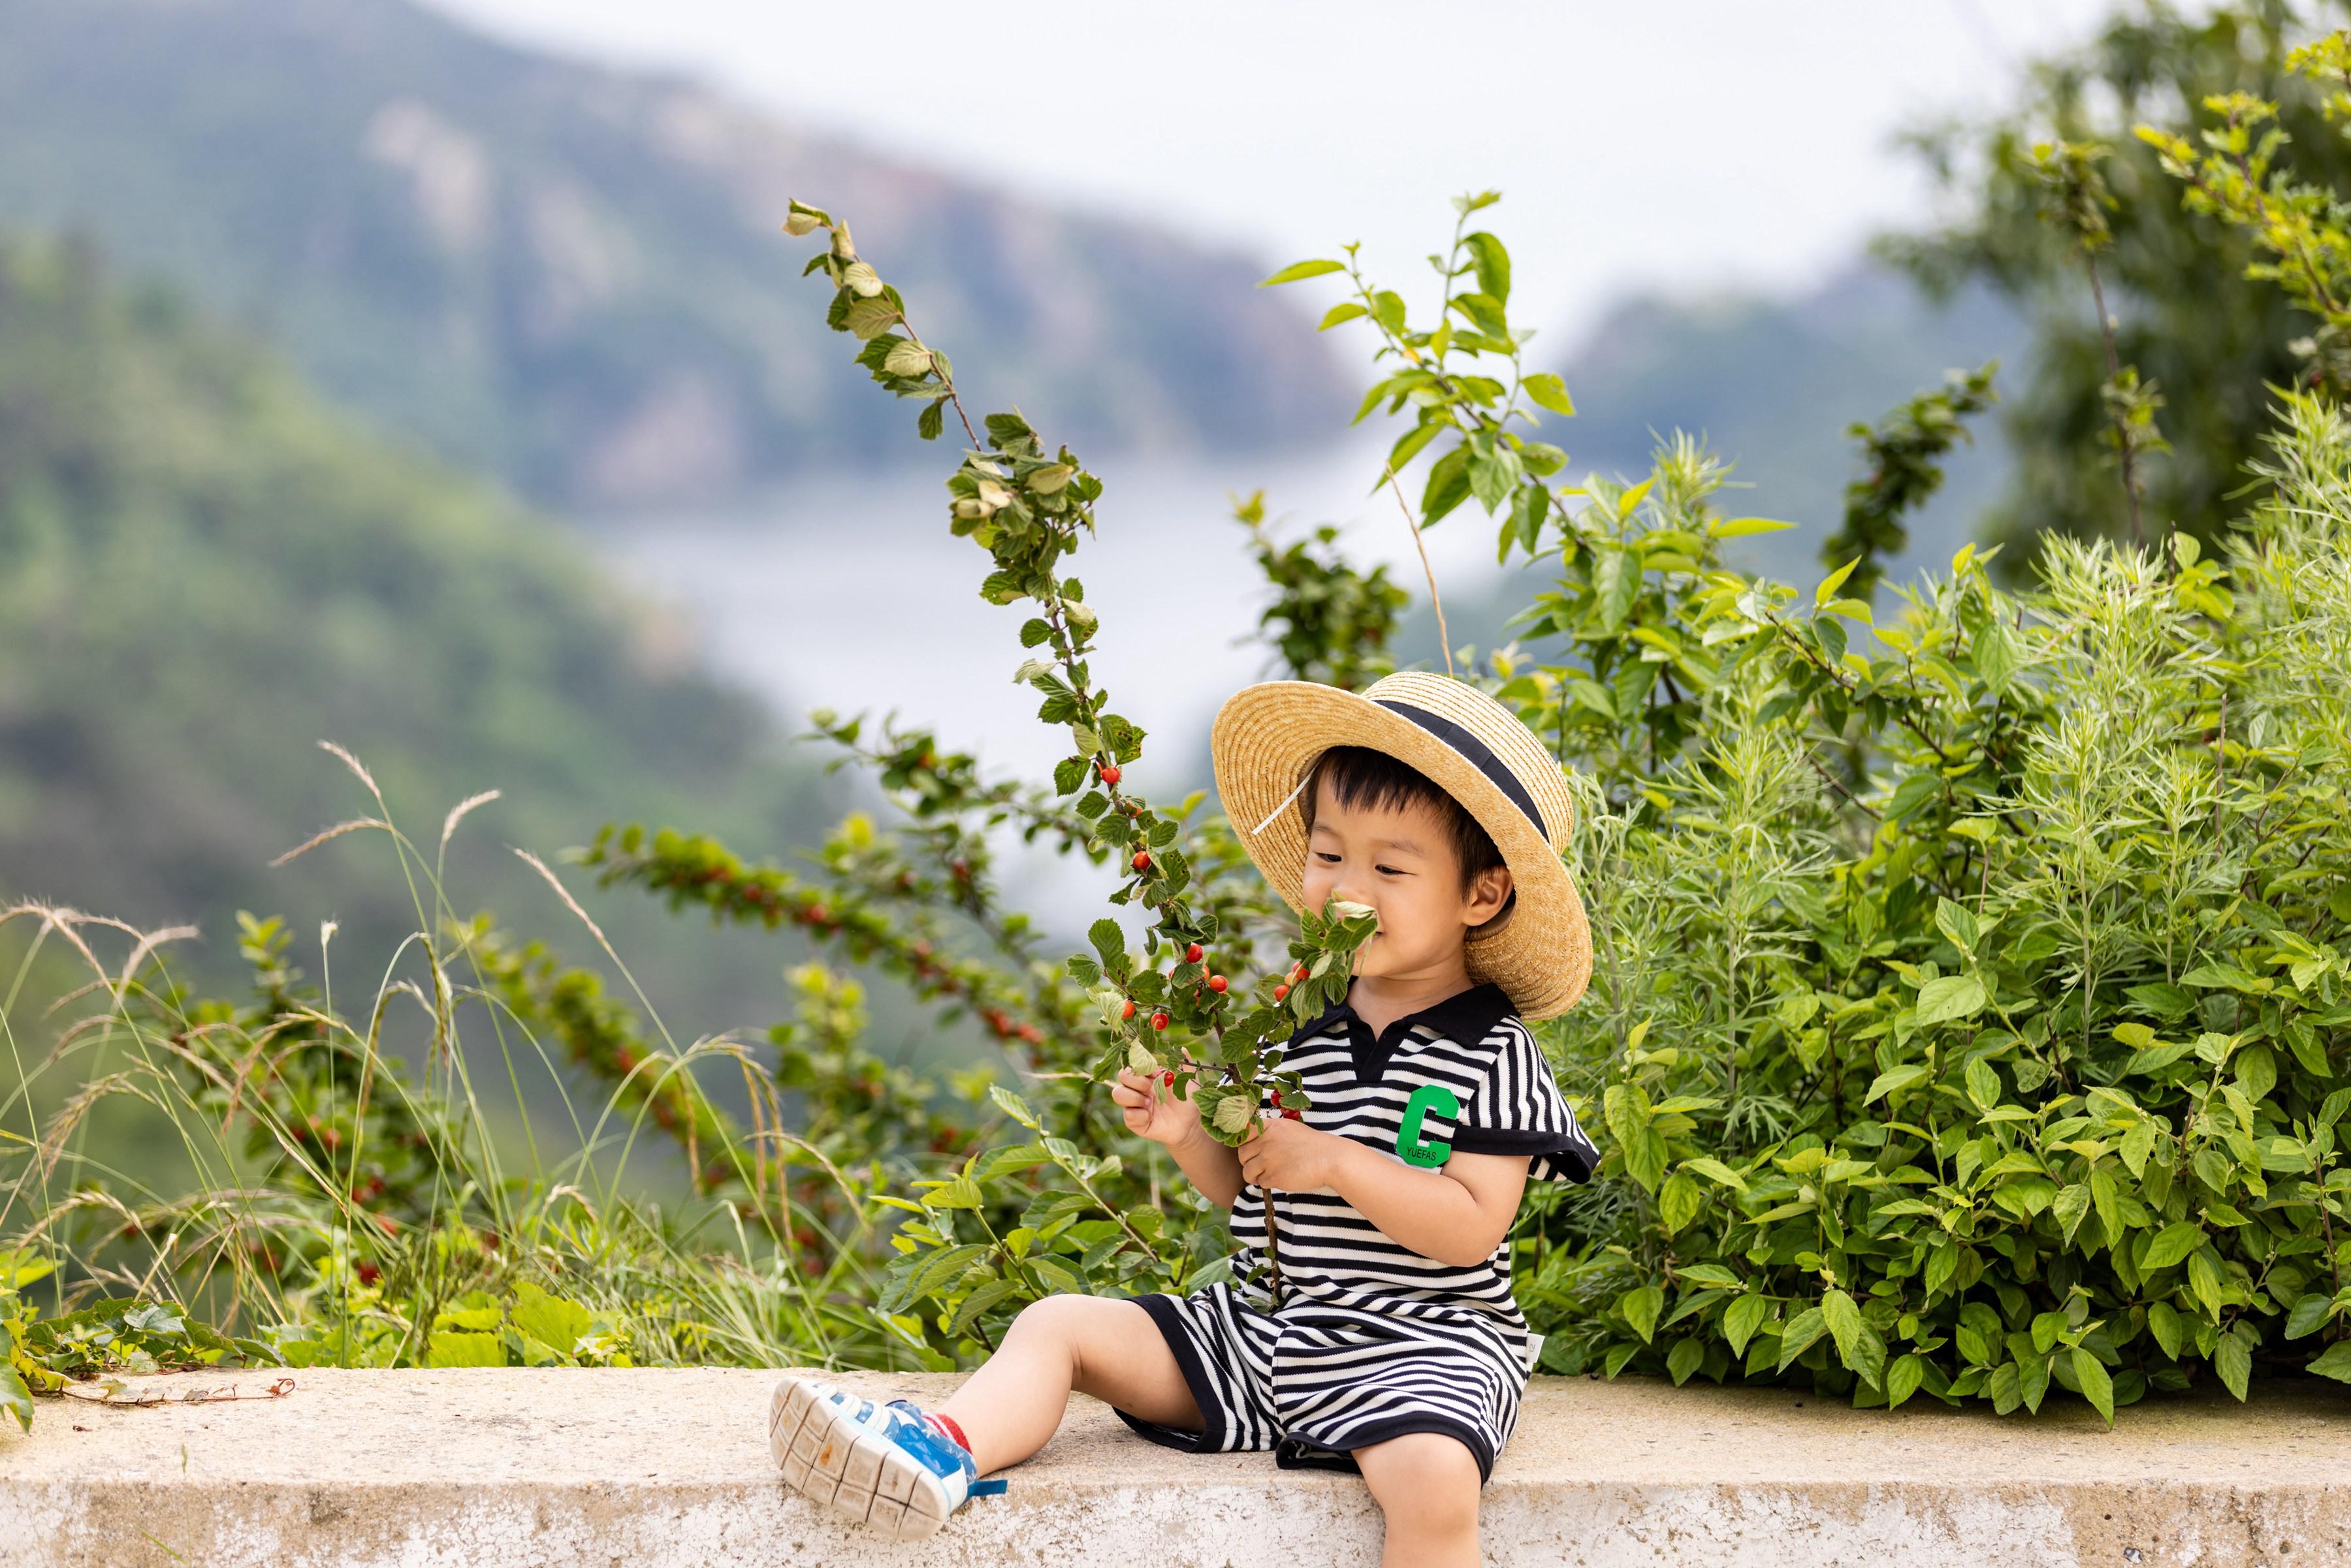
x=1128, y=1010
x=1167, y=1075
x=1216, y=983
x=1142, y=860
x=1158, y=1020
x=1192, y=954
x=369, y=1273
x=1110, y=774
x=1280, y=992
x=1293, y=1115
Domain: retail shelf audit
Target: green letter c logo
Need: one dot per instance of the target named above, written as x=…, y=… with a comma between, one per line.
x=1428, y=1097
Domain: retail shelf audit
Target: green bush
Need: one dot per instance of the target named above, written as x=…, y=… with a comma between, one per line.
x=2012, y=1055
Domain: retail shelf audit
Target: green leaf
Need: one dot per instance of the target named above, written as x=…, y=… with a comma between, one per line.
x=2176, y=1241
x=1299, y=269
x=927, y=1273
x=1492, y=263
x=1012, y=1105
x=1713, y=1276
x=1678, y=1202
x=15, y=1397
x=2163, y=1323
x=1741, y=528
x=1741, y=1319
x=1640, y=1308
x=1893, y=1080
x=452, y=1347
x=1842, y=1316
x=1983, y=1084
x=551, y=1320
x=2233, y=1360
x=2204, y=1281
x=1716, y=1171
x=1902, y=1380
x=1549, y=392
x=1345, y=310
x=2333, y=1362
x=1797, y=1338
x=2309, y=1315
x=2096, y=1386
x=1448, y=486
x=1835, y=580
x=1949, y=996
x=975, y=1305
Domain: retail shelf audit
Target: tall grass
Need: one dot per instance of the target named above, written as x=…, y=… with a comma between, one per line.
x=380, y=1184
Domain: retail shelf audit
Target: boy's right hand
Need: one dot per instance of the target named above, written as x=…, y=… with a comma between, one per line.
x=1154, y=1110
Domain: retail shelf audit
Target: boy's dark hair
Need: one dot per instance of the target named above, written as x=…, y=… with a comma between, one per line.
x=1358, y=776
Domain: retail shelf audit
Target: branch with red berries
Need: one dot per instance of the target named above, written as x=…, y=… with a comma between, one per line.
x=1231, y=1067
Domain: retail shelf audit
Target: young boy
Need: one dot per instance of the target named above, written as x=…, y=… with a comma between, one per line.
x=1395, y=1349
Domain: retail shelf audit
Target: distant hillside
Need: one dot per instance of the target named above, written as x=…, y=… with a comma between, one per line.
x=1772, y=384
x=574, y=278
x=204, y=571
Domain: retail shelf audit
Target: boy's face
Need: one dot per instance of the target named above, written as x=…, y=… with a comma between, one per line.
x=1402, y=863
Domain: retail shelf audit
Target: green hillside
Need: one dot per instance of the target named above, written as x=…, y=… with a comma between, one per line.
x=573, y=277
x=205, y=570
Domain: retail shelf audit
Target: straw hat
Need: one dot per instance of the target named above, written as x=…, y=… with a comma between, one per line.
x=1267, y=737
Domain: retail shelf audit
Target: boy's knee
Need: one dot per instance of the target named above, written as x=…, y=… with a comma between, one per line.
x=1066, y=1318
x=1425, y=1482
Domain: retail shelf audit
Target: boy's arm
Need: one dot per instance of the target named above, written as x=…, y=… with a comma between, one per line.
x=1457, y=1215
x=1209, y=1166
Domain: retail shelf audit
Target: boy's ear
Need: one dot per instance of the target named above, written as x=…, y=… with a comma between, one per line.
x=1489, y=890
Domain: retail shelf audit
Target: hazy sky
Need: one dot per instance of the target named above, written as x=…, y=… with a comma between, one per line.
x=1675, y=145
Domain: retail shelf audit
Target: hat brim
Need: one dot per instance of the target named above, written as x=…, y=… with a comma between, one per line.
x=1267, y=736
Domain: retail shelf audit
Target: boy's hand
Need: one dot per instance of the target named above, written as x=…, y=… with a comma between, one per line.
x=1153, y=1111
x=1291, y=1156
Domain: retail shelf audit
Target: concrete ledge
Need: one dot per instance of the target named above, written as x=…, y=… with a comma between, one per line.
x=498, y=1469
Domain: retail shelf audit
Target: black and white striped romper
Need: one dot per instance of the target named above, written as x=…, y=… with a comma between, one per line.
x=1373, y=1341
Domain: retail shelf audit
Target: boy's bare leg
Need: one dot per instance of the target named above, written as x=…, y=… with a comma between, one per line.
x=1109, y=1349
x=1426, y=1485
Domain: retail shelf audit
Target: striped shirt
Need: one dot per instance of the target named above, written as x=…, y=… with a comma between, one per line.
x=1462, y=1076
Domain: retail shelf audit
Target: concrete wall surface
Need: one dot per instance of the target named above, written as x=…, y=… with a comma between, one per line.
x=512, y=1469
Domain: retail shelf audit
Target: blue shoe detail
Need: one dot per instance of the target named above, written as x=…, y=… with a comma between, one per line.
x=885, y=1464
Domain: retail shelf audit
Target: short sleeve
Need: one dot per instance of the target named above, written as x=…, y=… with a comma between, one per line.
x=1518, y=1110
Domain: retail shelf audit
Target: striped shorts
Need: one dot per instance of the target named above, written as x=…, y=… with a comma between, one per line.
x=1314, y=1381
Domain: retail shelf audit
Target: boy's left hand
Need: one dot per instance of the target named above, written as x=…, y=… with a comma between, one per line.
x=1290, y=1156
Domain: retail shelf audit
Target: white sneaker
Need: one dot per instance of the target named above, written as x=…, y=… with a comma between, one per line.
x=884, y=1464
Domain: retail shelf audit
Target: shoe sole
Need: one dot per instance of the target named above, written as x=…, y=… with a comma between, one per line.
x=828, y=1457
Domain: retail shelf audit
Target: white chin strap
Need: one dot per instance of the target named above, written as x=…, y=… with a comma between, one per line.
x=1286, y=799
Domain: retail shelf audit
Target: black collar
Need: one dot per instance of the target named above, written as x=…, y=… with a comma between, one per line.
x=1465, y=1018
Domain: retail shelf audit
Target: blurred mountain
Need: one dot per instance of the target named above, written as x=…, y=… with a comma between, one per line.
x=205, y=570
x=574, y=278
x=1772, y=384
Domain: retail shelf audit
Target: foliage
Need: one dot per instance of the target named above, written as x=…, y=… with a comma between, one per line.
x=273, y=574
x=1902, y=455
x=1336, y=622
x=2186, y=316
